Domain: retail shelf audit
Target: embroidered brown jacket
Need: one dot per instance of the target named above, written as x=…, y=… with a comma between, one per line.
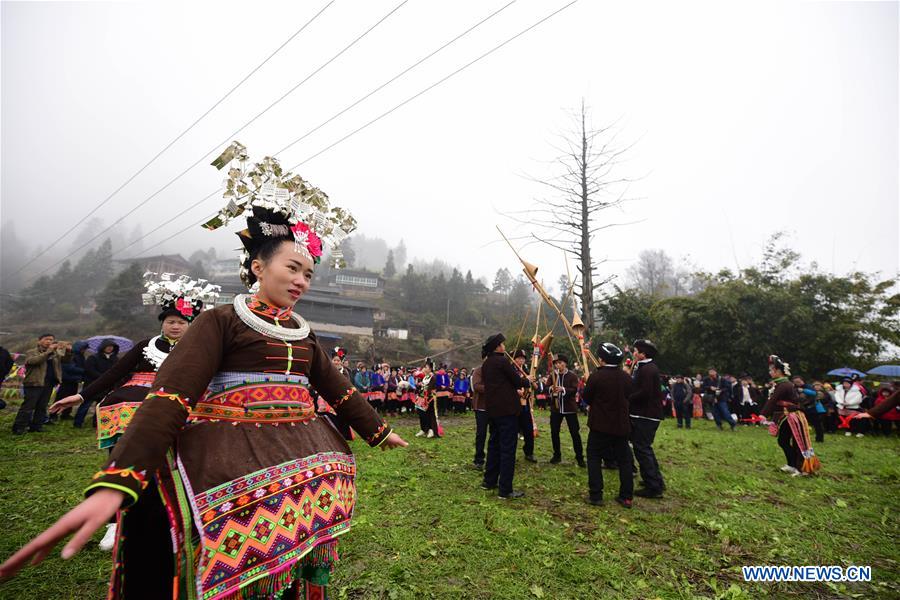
x=215, y=452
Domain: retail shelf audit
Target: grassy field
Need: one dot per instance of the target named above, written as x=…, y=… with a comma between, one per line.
x=424, y=529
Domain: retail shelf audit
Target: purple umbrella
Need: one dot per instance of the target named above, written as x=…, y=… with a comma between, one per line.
x=94, y=343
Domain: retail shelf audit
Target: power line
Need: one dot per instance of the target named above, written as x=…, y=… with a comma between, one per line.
x=336, y=115
x=172, y=143
x=399, y=75
x=407, y=101
x=433, y=85
x=229, y=137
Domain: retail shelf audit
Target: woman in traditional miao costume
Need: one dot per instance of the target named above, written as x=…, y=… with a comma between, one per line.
x=322, y=405
x=443, y=390
x=461, y=392
x=125, y=385
x=392, y=398
x=377, y=390
x=406, y=386
x=789, y=423
x=426, y=404
x=256, y=487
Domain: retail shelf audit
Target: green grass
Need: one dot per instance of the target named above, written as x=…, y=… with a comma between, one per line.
x=423, y=528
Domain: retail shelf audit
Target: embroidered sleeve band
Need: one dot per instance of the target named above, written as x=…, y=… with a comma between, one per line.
x=344, y=398
x=128, y=481
x=379, y=436
x=185, y=402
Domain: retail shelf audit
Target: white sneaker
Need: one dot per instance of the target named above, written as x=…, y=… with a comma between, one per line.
x=430, y=434
x=797, y=473
x=109, y=538
x=791, y=470
x=787, y=468
x=859, y=435
x=420, y=434
x=848, y=434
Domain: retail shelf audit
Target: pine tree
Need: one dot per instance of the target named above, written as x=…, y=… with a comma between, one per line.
x=389, y=268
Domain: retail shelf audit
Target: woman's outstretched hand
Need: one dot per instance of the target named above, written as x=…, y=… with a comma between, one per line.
x=66, y=402
x=83, y=520
x=393, y=441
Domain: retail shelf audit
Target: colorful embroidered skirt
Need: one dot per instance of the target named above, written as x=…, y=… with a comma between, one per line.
x=259, y=489
x=116, y=410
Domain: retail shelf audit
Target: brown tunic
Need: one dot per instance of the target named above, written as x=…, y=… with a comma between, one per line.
x=253, y=462
x=124, y=385
x=477, y=389
x=606, y=392
x=501, y=380
x=782, y=400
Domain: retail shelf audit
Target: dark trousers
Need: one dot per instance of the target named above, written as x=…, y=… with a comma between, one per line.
x=443, y=404
x=683, y=412
x=501, y=454
x=526, y=428
x=815, y=419
x=831, y=421
x=556, y=420
x=789, y=445
x=643, y=432
x=67, y=388
x=33, y=411
x=83, y=409
x=428, y=420
x=722, y=412
x=147, y=548
x=605, y=444
x=481, y=428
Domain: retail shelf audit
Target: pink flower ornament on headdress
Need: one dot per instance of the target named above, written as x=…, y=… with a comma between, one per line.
x=307, y=241
x=185, y=307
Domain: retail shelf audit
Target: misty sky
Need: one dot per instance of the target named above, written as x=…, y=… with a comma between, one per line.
x=749, y=117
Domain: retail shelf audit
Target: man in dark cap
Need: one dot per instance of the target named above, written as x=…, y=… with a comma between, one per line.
x=646, y=412
x=502, y=401
x=564, y=406
x=606, y=393
x=526, y=423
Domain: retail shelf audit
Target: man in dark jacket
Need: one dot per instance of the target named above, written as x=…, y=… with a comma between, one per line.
x=645, y=410
x=682, y=398
x=95, y=366
x=564, y=406
x=606, y=394
x=502, y=401
x=43, y=372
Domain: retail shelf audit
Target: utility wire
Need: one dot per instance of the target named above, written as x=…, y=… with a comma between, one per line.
x=336, y=115
x=408, y=100
x=229, y=137
x=172, y=143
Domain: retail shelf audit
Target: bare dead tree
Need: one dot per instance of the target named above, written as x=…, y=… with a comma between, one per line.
x=585, y=184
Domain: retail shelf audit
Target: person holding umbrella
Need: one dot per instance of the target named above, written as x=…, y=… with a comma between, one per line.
x=94, y=367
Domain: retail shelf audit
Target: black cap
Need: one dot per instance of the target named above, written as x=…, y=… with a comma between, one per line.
x=562, y=358
x=610, y=353
x=492, y=343
x=646, y=347
x=520, y=354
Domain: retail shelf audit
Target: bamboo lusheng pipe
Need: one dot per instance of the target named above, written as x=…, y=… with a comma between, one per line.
x=530, y=271
x=578, y=326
